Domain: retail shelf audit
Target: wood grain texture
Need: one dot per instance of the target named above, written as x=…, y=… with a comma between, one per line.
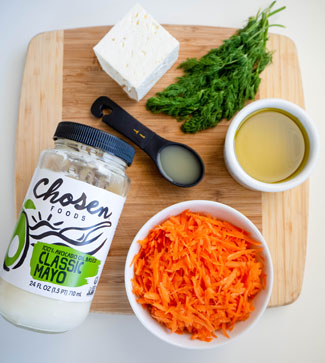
x=40, y=107
x=82, y=81
x=285, y=215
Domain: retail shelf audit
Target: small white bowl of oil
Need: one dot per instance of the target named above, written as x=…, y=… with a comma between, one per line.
x=271, y=145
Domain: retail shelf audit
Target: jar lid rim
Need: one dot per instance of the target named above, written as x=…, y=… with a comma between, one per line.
x=96, y=138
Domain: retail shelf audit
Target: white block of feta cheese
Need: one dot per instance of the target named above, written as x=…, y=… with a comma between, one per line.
x=137, y=52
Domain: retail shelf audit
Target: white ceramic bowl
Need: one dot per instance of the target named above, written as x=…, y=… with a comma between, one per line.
x=239, y=174
x=220, y=211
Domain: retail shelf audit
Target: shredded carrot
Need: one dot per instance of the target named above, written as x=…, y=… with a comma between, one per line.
x=197, y=274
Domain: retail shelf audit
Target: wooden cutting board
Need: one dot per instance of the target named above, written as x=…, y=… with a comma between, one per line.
x=61, y=80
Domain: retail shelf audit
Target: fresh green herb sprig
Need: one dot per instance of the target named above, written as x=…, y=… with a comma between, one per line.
x=218, y=85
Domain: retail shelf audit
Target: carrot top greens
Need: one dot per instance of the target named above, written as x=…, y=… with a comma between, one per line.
x=217, y=85
x=198, y=274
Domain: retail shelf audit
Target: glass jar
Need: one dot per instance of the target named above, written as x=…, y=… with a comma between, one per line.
x=64, y=231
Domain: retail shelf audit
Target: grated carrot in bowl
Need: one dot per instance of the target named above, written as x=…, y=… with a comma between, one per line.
x=197, y=274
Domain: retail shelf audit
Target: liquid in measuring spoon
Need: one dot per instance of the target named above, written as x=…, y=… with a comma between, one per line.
x=179, y=164
x=270, y=146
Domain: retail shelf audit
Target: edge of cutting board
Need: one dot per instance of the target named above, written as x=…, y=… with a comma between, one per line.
x=288, y=243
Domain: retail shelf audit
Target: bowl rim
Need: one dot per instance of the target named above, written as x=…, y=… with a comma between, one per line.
x=155, y=220
x=229, y=148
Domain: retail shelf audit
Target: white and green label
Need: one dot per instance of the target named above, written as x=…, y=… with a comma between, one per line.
x=62, y=237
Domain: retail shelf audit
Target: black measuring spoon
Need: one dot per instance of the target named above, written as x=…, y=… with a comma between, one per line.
x=177, y=163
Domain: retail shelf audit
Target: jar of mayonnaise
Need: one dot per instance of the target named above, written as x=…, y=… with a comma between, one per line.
x=65, y=229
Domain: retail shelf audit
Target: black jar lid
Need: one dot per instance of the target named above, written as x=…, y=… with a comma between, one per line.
x=95, y=138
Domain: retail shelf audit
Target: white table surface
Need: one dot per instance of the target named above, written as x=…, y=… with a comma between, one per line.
x=293, y=333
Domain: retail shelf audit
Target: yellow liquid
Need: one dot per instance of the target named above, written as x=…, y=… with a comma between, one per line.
x=270, y=146
x=179, y=164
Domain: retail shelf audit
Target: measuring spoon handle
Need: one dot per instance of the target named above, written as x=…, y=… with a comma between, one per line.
x=127, y=125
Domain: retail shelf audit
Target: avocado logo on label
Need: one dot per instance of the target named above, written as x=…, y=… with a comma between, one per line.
x=15, y=259
x=51, y=244
x=88, y=239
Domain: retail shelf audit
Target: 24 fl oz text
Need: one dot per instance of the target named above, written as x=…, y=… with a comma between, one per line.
x=53, y=289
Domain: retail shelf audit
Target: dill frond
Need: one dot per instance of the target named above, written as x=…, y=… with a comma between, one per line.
x=217, y=85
